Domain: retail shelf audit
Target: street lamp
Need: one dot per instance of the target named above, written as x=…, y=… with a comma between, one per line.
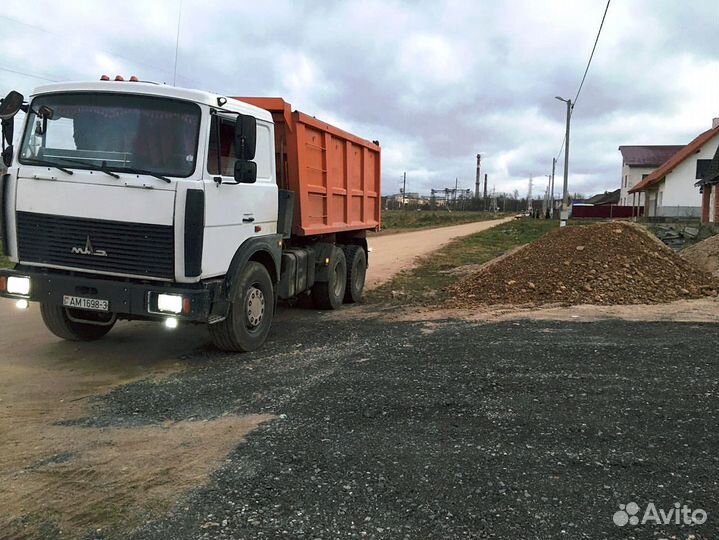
x=565, y=199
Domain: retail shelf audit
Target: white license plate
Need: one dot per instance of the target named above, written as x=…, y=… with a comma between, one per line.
x=79, y=302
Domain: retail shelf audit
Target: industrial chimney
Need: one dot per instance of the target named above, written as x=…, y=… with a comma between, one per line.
x=476, y=183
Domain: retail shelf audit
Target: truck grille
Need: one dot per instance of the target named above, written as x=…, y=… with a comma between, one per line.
x=139, y=249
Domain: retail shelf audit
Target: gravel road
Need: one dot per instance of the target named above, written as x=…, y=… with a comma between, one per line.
x=524, y=429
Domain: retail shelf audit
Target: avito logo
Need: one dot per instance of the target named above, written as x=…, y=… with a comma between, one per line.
x=679, y=514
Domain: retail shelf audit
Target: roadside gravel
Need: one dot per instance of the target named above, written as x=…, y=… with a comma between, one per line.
x=518, y=429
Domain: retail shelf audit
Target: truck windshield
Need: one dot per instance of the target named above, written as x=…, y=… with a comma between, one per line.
x=112, y=131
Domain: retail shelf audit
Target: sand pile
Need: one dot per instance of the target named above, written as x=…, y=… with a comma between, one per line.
x=605, y=263
x=704, y=255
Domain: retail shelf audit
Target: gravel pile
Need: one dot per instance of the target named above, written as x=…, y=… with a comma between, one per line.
x=605, y=263
x=704, y=255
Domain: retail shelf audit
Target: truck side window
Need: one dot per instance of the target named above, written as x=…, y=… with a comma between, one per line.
x=226, y=147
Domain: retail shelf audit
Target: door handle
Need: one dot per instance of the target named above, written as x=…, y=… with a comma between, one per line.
x=248, y=219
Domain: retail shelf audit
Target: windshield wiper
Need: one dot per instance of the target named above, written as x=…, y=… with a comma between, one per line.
x=48, y=164
x=143, y=171
x=102, y=168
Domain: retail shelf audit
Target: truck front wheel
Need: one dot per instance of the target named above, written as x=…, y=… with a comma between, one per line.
x=57, y=321
x=329, y=294
x=250, y=316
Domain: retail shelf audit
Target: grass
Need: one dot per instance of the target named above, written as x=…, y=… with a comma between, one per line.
x=418, y=219
x=422, y=283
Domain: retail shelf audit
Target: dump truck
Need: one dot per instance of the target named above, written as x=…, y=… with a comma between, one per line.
x=129, y=200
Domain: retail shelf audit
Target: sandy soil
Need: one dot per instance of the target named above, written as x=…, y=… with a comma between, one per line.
x=394, y=252
x=45, y=461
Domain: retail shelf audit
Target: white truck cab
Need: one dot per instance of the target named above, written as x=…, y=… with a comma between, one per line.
x=133, y=200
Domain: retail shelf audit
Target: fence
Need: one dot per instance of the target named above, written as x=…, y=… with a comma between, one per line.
x=608, y=211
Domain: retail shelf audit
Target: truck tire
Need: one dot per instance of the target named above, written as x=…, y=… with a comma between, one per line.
x=329, y=294
x=356, y=273
x=57, y=321
x=250, y=315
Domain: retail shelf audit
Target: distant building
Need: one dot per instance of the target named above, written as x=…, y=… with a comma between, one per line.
x=604, y=199
x=670, y=190
x=709, y=188
x=638, y=162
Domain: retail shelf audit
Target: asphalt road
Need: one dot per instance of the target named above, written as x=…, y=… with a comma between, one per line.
x=520, y=429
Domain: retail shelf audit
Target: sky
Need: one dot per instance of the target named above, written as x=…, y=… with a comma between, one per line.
x=435, y=82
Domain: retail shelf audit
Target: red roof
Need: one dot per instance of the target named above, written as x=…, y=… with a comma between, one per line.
x=669, y=165
x=648, y=155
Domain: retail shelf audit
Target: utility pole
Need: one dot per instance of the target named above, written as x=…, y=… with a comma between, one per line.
x=485, y=190
x=456, y=185
x=554, y=164
x=404, y=191
x=565, y=195
x=529, y=195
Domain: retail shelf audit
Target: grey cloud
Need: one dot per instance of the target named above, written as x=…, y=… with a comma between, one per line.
x=436, y=82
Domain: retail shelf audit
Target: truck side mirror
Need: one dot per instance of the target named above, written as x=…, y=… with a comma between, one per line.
x=245, y=137
x=10, y=105
x=245, y=171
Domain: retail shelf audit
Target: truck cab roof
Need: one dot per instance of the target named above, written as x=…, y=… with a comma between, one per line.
x=153, y=89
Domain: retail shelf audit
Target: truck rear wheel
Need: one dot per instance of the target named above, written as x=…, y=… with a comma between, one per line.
x=250, y=317
x=56, y=320
x=356, y=273
x=329, y=294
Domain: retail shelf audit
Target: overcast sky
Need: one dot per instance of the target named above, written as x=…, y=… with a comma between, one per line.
x=435, y=82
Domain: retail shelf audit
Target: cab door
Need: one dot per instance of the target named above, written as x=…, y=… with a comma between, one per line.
x=235, y=212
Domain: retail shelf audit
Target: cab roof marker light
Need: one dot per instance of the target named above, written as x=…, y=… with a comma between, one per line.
x=119, y=78
x=133, y=78
x=104, y=78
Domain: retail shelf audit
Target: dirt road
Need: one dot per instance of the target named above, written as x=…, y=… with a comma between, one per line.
x=393, y=252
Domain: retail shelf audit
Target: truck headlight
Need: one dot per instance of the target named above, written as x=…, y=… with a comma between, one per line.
x=169, y=303
x=18, y=285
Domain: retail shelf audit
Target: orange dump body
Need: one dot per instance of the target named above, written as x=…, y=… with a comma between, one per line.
x=334, y=174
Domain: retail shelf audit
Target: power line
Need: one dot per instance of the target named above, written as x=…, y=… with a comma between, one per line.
x=586, y=70
x=177, y=43
x=109, y=52
x=26, y=74
x=594, y=48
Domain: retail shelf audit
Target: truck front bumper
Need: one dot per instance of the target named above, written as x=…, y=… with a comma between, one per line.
x=130, y=300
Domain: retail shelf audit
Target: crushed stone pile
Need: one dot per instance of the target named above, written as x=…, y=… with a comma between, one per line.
x=704, y=255
x=605, y=263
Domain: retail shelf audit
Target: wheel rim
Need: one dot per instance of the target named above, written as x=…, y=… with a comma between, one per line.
x=339, y=280
x=254, y=307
